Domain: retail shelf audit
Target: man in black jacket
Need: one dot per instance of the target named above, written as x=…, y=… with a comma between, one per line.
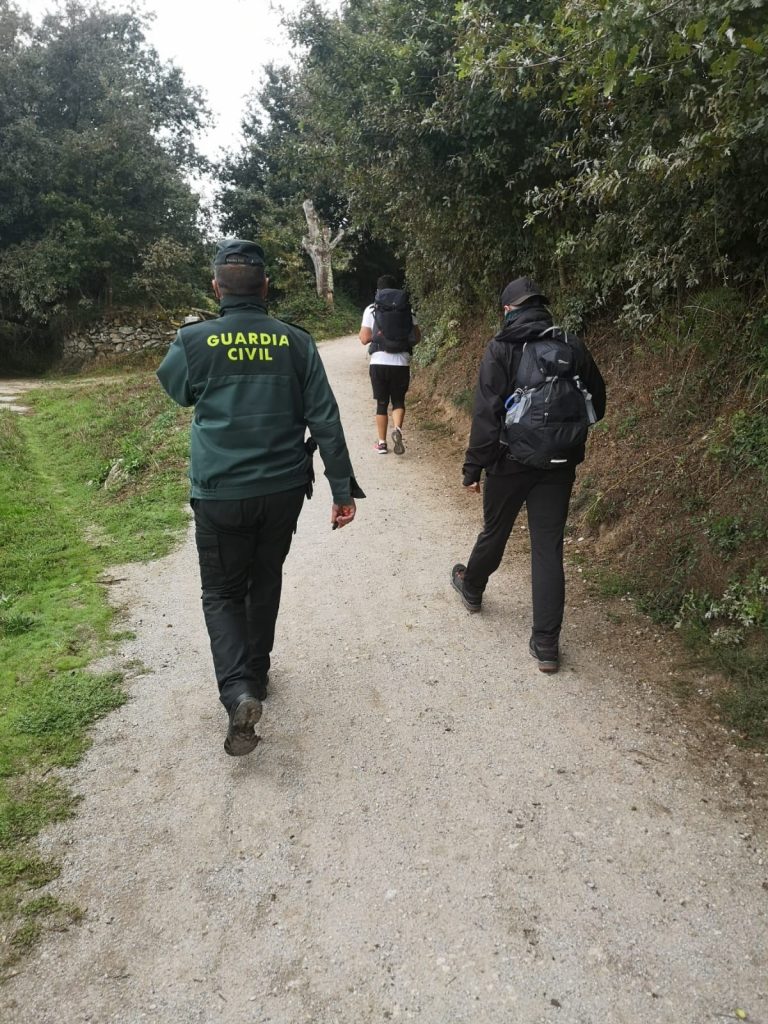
x=510, y=483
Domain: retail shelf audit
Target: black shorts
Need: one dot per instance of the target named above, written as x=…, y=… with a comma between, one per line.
x=390, y=383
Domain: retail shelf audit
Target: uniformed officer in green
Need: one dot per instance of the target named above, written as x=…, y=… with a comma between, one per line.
x=256, y=385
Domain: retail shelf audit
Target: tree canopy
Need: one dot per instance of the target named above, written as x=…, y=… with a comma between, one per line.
x=617, y=149
x=95, y=131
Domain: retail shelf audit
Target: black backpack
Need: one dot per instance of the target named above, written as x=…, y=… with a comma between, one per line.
x=550, y=412
x=392, y=321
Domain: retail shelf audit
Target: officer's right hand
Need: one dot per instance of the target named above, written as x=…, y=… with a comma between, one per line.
x=342, y=514
x=474, y=488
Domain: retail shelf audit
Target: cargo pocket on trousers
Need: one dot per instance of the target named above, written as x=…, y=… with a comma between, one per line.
x=209, y=556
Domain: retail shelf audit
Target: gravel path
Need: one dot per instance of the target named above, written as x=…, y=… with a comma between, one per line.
x=432, y=829
x=12, y=392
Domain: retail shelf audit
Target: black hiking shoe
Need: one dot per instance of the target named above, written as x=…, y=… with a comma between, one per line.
x=548, y=656
x=472, y=602
x=243, y=716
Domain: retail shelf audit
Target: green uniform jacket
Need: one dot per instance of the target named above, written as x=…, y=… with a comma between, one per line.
x=256, y=384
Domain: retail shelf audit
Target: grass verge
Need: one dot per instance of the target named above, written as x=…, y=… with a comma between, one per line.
x=61, y=527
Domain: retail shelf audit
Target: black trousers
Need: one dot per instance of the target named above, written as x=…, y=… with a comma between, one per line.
x=241, y=546
x=546, y=493
x=390, y=384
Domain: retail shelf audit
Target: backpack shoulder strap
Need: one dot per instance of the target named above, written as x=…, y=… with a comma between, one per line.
x=523, y=352
x=558, y=334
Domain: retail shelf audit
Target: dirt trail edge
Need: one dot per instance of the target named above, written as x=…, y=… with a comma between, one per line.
x=431, y=830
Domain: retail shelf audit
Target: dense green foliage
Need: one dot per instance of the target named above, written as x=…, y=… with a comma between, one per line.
x=616, y=150
x=303, y=306
x=94, y=131
x=659, y=132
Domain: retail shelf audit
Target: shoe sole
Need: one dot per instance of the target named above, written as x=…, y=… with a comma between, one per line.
x=473, y=608
x=550, y=667
x=397, y=441
x=241, y=739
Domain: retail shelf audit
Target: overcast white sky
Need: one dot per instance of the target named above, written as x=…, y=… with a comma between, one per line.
x=221, y=46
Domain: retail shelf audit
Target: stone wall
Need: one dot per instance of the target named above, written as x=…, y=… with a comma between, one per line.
x=118, y=335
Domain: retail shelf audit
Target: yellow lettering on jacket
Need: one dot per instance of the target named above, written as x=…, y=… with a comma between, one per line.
x=253, y=338
x=238, y=354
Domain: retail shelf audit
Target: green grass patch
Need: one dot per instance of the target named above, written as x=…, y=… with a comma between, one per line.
x=746, y=705
x=628, y=424
x=743, y=440
x=32, y=871
x=24, y=938
x=725, y=635
x=464, y=399
x=609, y=583
x=743, y=662
x=60, y=529
x=437, y=428
x=46, y=913
x=47, y=905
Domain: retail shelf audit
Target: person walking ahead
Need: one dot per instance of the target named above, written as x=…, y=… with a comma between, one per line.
x=552, y=388
x=256, y=384
x=390, y=329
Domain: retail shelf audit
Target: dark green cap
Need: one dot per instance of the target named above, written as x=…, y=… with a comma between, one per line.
x=239, y=251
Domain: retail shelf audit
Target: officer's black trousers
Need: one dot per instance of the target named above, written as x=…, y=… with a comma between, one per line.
x=546, y=493
x=242, y=546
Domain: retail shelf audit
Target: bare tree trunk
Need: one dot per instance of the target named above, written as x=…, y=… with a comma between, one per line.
x=319, y=245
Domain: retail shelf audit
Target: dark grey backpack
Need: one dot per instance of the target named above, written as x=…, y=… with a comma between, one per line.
x=550, y=411
x=392, y=321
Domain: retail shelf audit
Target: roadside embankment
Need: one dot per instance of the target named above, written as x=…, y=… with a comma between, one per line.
x=670, y=508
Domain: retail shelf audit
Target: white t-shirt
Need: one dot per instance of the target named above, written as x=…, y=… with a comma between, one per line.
x=382, y=358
